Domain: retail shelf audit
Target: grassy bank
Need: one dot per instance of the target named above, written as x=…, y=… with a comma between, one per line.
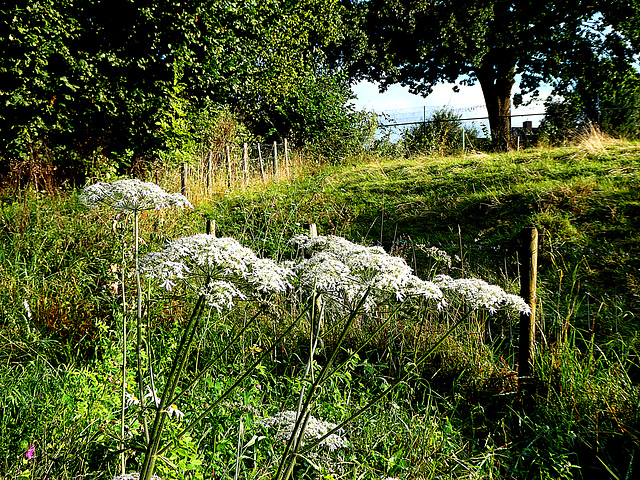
x=458, y=415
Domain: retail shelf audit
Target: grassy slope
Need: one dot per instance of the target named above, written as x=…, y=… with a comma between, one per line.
x=585, y=205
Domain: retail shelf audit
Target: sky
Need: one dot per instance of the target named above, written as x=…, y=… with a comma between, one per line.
x=403, y=106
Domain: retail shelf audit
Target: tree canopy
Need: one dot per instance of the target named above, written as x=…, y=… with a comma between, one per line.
x=420, y=43
x=91, y=74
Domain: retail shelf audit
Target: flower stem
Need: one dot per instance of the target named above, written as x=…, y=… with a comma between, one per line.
x=136, y=235
x=123, y=459
x=177, y=367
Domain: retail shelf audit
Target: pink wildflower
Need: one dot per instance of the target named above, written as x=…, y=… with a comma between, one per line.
x=31, y=452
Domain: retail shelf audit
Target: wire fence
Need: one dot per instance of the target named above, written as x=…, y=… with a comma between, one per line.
x=234, y=166
x=399, y=119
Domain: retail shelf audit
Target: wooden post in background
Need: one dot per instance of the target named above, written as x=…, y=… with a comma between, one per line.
x=228, y=151
x=528, y=279
x=313, y=230
x=209, y=161
x=183, y=179
x=211, y=226
x=261, y=162
x=245, y=162
x=275, y=159
x=287, y=160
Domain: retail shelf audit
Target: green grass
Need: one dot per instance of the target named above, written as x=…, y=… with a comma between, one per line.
x=461, y=416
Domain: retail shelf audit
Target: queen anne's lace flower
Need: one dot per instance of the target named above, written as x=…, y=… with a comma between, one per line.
x=232, y=271
x=132, y=195
x=481, y=294
x=338, y=265
x=315, y=429
x=437, y=254
x=221, y=295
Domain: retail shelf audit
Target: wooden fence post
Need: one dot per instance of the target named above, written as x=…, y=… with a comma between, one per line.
x=261, y=162
x=183, y=179
x=245, y=162
x=228, y=152
x=211, y=226
x=528, y=279
x=209, y=161
x=275, y=159
x=287, y=160
x=313, y=230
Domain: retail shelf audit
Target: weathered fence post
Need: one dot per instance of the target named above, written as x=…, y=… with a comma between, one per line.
x=209, y=161
x=275, y=159
x=183, y=179
x=261, y=162
x=528, y=279
x=287, y=160
x=211, y=226
x=313, y=230
x=228, y=151
x=245, y=162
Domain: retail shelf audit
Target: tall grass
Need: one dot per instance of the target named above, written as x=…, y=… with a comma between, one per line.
x=458, y=415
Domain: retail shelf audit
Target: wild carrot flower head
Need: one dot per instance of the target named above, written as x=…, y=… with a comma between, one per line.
x=339, y=267
x=132, y=195
x=438, y=255
x=284, y=422
x=221, y=268
x=481, y=295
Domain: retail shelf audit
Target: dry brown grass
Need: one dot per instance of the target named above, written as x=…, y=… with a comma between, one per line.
x=208, y=180
x=593, y=140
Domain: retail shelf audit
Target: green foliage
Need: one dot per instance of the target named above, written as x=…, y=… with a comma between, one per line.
x=619, y=103
x=192, y=134
x=458, y=415
x=441, y=134
x=64, y=412
x=562, y=121
x=83, y=79
x=601, y=92
x=318, y=116
x=420, y=44
x=184, y=461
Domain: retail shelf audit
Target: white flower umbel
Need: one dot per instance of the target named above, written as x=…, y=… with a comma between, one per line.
x=338, y=266
x=482, y=295
x=438, y=255
x=230, y=270
x=221, y=295
x=284, y=422
x=132, y=195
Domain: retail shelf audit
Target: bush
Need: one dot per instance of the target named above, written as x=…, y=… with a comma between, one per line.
x=562, y=120
x=441, y=134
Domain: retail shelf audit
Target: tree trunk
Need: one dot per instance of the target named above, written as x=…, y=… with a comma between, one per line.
x=496, y=82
